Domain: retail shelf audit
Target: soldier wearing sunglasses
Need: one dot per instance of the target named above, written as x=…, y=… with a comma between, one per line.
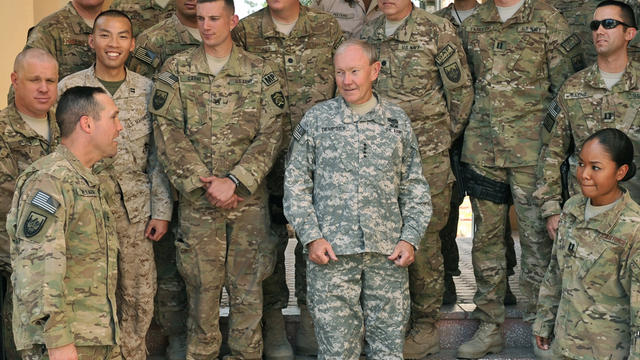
x=604, y=95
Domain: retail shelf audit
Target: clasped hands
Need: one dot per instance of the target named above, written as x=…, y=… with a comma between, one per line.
x=220, y=192
x=320, y=252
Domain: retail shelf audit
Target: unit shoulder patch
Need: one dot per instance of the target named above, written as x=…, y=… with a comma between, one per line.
x=278, y=99
x=33, y=224
x=453, y=72
x=159, y=98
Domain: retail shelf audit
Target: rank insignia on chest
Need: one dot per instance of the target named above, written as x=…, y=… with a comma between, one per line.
x=33, y=224
x=499, y=45
x=159, y=98
x=278, y=99
x=393, y=122
x=45, y=202
x=453, y=72
x=571, y=248
x=609, y=116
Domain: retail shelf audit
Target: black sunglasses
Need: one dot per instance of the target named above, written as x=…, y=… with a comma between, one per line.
x=607, y=24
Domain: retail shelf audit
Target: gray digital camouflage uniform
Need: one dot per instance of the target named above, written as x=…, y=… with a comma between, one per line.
x=141, y=192
x=590, y=297
x=20, y=146
x=425, y=72
x=357, y=182
x=144, y=13
x=204, y=125
x=303, y=61
x=518, y=66
x=583, y=106
x=64, y=255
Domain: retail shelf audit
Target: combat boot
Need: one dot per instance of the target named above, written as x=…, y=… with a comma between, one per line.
x=539, y=353
x=177, y=349
x=306, y=343
x=487, y=339
x=449, y=297
x=422, y=340
x=274, y=336
x=509, y=297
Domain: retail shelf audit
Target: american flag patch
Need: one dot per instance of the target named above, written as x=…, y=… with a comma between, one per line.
x=299, y=132
x=145, y=55
x=168, y=77
x=45, y=202
x=554, y=109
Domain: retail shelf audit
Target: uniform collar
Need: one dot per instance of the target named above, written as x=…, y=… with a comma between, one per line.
x=488, y=12
x=183, y=32
x=21, y=127
x=402, y=33
x=90, y=77
x=80, y=169
x=303, y=26
x=603, y=222
x=77, y=22
x=628, y=82
x=376, y=114
x=200, y=65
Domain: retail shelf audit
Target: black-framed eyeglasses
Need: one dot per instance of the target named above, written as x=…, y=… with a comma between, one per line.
x=607, y=24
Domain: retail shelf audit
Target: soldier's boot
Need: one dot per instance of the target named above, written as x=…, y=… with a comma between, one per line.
x=274, y=336
x=177, y=349
x=422, y=340
x=509, y=298
x=449, y=297
x=306, y=343
x=487, y=339
x=539, y=353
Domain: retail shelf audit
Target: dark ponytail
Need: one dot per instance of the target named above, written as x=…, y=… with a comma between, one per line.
x=619, y=147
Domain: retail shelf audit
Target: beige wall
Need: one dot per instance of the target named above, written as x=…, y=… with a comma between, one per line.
x=16, y=17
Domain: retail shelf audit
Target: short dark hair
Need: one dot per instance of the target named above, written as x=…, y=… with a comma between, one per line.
x=114, y=14
x=228, y=3
x=619, y=147
x=627, y=12
x=75, y=103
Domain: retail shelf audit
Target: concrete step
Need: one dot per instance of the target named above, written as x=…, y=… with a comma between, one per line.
x=455, y=327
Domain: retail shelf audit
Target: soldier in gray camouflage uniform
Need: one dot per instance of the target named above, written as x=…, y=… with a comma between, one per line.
x=520, y=53
x=64, y=247
x=35, y=78
x=355, y=194
x=145, y=13
x=425, y=72
x=142, y=205
x=589, y=301
x=218, y=124
x=299, y=42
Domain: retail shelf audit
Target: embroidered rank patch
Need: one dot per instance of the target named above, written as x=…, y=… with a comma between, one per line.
x=393, y=122
x=299, y=132
x=168, y=78
x=45, y=202
x=159, y=98
x=269, y=79
x=444, y=54
x=453, y=72
x=33, y=224
x=569, y=43
x=145, y=55
x=278, y=99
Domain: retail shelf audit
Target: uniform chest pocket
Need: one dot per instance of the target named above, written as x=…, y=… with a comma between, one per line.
x=385, y=153
x=526, y=56
x=601, y=271
x=410, y=70
x=336, y=150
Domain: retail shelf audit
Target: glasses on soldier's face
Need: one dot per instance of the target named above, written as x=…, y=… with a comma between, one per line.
x=607, y=24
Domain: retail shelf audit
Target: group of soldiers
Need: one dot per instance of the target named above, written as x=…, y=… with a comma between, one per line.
x=209, y=105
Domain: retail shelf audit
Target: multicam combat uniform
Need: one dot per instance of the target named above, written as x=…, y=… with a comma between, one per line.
x=518, y=66
x=425, y=72
x=205, y=125
x=357, y=182
x=64, y=256
x=158, y=43
x=65, y=35
x=303, y=61
x=144, y=13
x=352, y=15
x=20, y=146
x=141, y=191
x=590, y=297
x=583, y=106
x=579, y=14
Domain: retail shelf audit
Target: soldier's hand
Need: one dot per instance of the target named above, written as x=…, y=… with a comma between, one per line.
x=320, y=252
x=403, y=255
x=231, y=203
x=218, y=190
x=543, y=343
x=552, y=226
x=67, y=352
x=156, y=229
